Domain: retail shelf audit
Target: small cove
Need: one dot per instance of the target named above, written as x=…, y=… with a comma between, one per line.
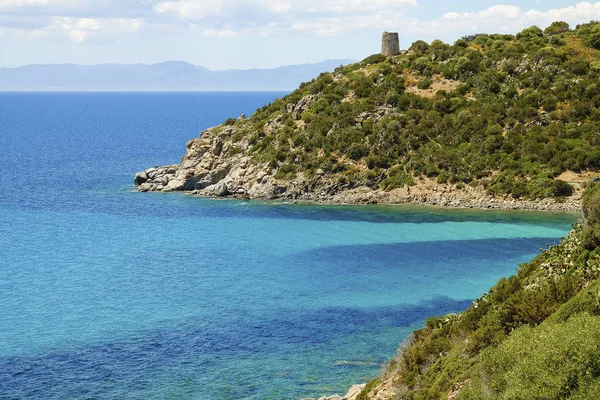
x=109, y=293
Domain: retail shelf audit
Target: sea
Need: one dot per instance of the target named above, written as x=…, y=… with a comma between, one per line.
x=106, y=293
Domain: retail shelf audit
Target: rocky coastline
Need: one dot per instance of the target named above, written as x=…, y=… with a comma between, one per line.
x=215, y=166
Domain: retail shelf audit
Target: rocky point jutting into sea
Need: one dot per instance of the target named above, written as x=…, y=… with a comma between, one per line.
x=214, y=165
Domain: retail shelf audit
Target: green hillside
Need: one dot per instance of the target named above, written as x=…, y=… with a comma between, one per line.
x=509, y=113
x=535, y=335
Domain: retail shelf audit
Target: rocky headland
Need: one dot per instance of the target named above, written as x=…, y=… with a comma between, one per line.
x=216, y=166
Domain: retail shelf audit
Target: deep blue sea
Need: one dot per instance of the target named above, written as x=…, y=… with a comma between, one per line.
x=110, y=294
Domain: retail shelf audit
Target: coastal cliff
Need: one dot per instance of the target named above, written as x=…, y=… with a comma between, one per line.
x=493, y=121
x=214, y=166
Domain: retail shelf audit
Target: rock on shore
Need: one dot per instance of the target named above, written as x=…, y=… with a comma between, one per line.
x=352, y=394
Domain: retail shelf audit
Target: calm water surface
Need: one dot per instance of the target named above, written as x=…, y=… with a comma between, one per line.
x=111, y=294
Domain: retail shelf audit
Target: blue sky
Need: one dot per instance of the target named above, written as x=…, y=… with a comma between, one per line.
x=223, y=34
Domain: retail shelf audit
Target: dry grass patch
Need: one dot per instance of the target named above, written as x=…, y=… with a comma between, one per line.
x=438, y=83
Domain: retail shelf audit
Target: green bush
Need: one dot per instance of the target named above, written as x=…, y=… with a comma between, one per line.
x=546, y=186
x=590, y=205
x=588, y=300
x=419, y=47
x=424, y=83
x=374, y=59
x=595, y=41
x=397, y=178
x=556, y=28
x=530, y=33
x=287, y=172
x=550, y=361
x=364, y=393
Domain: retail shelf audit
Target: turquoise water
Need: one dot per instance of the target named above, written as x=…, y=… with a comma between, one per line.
x=111, y=294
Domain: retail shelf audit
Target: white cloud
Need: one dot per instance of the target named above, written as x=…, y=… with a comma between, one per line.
x=501, y=11
x=84, y=20
x=200, y=10
x=489, y=16
x=193, y=10
x=21, y=3
x=80, y=30
x=574, y=14
x=338, y=25
x=270, y=17
x=220, y=33
x=503, y=18
x=25, y=6
x=77, y=20
x=229, y=18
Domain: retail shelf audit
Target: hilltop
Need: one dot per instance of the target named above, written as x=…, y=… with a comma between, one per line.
x=492, y=119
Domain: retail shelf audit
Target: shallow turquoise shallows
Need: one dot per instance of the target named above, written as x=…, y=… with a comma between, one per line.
x=111, y=294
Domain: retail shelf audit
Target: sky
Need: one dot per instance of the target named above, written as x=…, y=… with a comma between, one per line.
x=244, y=34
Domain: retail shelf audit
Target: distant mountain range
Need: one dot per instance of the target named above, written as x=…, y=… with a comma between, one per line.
x=166, y=76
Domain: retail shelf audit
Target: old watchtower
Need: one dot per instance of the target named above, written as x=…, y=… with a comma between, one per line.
x=390, y=44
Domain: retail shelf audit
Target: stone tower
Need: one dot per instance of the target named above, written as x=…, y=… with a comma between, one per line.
x=390, y=44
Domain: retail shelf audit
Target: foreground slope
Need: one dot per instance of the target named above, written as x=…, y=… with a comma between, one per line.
x=535, y=335
x=491, y=115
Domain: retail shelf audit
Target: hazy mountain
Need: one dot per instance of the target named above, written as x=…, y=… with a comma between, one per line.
x=170, y=75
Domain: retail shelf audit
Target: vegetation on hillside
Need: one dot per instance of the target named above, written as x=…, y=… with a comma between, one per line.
x=535, y=335
x=508, y=112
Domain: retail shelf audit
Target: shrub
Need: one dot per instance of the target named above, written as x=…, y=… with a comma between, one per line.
x=546, y=186
x=556, y=28
x=548, y=362
x=421, y=64
x=374, y=59
x=397, y=178
x=287, y=172
x=356, y=151
x=364, y=393
x=424, y=83
x=578, y=67
x=595, y=41
x=591, y=213
x=419, y=47
x=530, y=33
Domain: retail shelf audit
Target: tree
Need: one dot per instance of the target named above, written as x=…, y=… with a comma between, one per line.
x=530, y=33
x=556, y=27
x=595, y=41
x=419, y=47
